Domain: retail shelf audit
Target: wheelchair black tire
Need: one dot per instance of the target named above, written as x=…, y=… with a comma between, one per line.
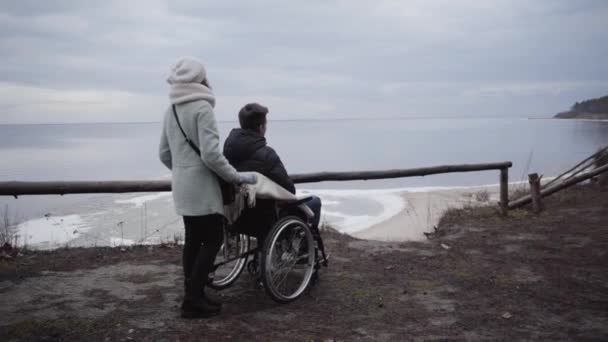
x=236, y=270
x=271, y=248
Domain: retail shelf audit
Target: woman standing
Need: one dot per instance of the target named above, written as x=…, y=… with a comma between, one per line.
x=190, y=125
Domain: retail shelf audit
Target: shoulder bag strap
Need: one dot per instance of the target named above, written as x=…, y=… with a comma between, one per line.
x=194, y=147
x=228, y=191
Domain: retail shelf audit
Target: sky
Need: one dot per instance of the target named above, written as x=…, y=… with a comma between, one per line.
x=107, y=61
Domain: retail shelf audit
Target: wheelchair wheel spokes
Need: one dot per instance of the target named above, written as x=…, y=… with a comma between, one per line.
x=288, y=262
x=230, y=260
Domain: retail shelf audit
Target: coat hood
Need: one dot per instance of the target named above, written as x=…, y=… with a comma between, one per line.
x=185, y=80
x=241, y=144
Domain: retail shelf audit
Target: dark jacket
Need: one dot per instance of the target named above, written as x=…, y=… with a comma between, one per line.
x=246, y=150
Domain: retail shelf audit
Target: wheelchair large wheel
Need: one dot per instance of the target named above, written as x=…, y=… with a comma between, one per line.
x=288, y=259
x=230, y=260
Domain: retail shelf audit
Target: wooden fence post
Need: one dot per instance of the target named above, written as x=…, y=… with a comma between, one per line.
x=534, y=181
x=520, y=202
x=504, y=190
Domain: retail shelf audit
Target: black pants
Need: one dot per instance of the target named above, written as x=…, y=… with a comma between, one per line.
x=204, y=236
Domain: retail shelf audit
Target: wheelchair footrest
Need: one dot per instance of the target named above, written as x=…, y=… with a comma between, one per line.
x=324, y=261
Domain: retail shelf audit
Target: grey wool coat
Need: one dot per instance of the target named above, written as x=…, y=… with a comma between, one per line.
x=196, y=190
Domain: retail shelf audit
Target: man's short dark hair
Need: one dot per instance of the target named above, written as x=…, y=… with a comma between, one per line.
x=252, y=116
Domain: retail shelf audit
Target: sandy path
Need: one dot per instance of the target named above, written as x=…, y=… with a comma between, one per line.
x=423, y=211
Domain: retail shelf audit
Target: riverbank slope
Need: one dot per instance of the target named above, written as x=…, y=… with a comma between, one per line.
x=479, y=277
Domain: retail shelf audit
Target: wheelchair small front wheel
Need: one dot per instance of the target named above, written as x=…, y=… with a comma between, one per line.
x=288, y=259
x=230, y=260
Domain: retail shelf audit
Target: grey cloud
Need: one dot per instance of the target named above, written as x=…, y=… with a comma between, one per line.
x=358, y=57
x=35, y=7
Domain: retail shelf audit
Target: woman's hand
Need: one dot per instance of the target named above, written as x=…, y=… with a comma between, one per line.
x=247, y=178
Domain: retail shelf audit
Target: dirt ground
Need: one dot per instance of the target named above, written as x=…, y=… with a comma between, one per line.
x=480, y=277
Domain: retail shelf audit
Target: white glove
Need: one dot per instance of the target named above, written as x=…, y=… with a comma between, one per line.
x=247, y=178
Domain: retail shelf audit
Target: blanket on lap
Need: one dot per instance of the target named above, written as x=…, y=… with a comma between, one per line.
x=264, y=188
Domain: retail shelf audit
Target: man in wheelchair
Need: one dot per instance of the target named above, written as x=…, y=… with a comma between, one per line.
x=246, y=149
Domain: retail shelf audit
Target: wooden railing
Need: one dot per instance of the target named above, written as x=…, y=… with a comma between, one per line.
x=81, y=187
x=553, y=188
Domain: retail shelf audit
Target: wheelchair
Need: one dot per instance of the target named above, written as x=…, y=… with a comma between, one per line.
x=287, y=260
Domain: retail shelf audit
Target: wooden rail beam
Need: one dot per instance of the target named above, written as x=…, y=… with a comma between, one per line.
x=82, y=187
x=399, y=173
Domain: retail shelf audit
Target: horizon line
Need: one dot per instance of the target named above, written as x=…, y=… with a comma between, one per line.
x=286, y=120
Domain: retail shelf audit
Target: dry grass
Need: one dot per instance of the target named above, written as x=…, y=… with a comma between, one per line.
x=519, y=191
x=482, y=196
x=492, y=213
x=601, y=160
x=8, y=229
x=457, y=215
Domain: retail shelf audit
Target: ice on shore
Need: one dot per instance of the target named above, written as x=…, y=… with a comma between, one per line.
x=378, y=214
x=117, y=242
x=350, y=211
x=51, y=231
x=140, y=200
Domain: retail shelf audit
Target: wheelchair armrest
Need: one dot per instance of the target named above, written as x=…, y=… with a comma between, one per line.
x=309, y=213
x=294, y=203
x=300, y=204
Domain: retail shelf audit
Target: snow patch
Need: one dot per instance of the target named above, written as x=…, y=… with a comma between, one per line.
x=51, y=231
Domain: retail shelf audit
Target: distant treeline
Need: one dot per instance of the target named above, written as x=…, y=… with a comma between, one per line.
x=593, y=108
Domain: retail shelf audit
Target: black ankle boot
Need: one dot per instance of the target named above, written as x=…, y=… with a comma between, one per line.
x=195, y=305
x=210, y=300
x=197, y=308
